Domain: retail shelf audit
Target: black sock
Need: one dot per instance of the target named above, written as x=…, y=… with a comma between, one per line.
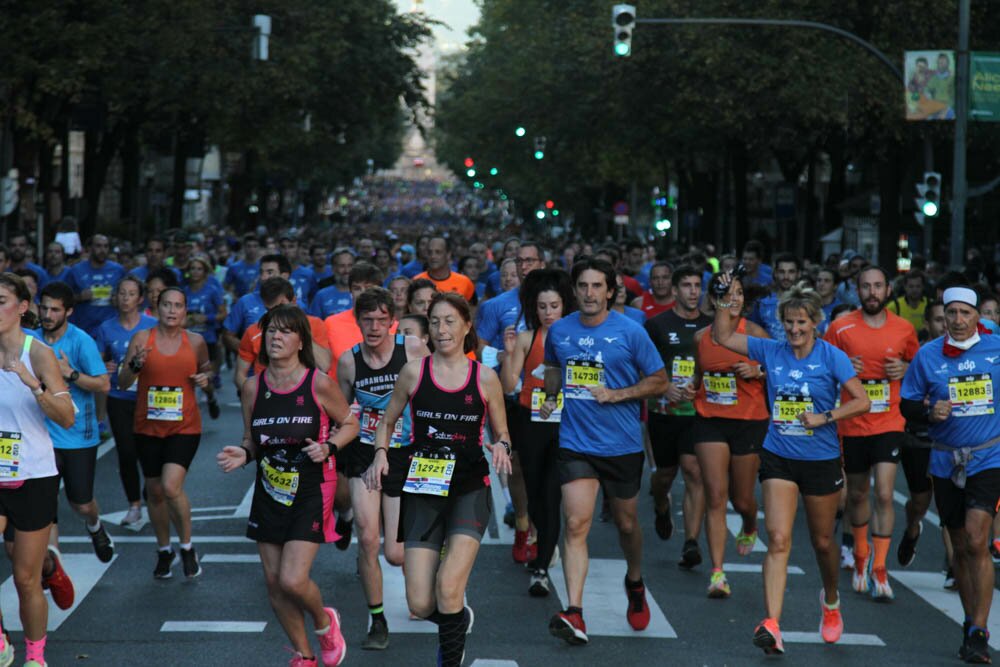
x=451, y=638
x=435, y=617
x=574, y=610
x=847, y=539
x=632, y=585
x=377, y=612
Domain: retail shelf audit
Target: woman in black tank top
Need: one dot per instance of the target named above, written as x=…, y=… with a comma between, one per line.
x=446, y=495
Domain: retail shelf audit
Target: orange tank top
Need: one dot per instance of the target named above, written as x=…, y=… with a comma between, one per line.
x=722, y=393
x=536, y=355
x=166, y=403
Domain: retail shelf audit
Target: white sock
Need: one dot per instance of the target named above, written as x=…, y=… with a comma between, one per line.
x=186, y=546
x=167, y=549
x=93, y=528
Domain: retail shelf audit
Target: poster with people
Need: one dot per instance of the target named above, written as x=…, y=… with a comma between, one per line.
x=930, y=85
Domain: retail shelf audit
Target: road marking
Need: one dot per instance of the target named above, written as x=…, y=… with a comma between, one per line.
x=149, y=539
x=756, y=568
x=931, y=518
x=230, y=558
x=213, y=626
x=482, y=662
x=847, y=639
x=498, y=532
x=243, y=509
x=85, y=571
x=397, y=611
x=735, y=524
x=929, y=586
x=605, y=602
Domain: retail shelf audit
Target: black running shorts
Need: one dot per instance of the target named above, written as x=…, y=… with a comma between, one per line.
x=916, y=462
x=31, y=506
x=309, y=518
x=620, y=476
x=744, y=436
x=155, y=452
x=670, y=436
x=426, y=521
x=981, y=492
x=814, y=478
x=76, y=467
x=358, y=457
x=863, y=452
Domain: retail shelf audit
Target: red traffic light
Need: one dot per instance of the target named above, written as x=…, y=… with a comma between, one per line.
x=550, y=204
x=469, y=162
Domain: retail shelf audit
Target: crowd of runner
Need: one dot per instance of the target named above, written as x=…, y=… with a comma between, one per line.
x=387, y=364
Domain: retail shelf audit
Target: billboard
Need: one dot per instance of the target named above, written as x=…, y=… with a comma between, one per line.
x=984, y=86
x=930, y=85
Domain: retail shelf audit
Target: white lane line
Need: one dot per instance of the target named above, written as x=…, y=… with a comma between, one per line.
x=149, y=539
x=85, y=571
x=605, y=602
x=847, y=639
x=929, y=586
x=735, y=524
x=753, y=568
x=482, y=662
x=505, y=534
x=243, y=509
x=230, y=558
x=397, y=612
x=214, y=508
x=213, y=626
x=930, y=517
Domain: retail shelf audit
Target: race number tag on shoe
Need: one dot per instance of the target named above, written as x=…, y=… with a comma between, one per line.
x=370, y=419
x=10, y=455
x=165, y=404
x=430, y=475
x=720, y=388
x=100, y=295
x=537, y=398
x=280, y=485
x=682, y=371
x=971, y=395
x=581, y=376
x=878, y=393
x=786, y=411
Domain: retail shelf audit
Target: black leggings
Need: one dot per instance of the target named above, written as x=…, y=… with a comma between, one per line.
x=121, y=414
x=538, y=450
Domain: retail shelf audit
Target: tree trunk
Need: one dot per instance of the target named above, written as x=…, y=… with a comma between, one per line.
x=129, y=210
x=739, y=229
x=99, y=152
x=889, y=220
x=178, y=186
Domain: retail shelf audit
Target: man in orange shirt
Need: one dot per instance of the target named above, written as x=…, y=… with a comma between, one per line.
x=275, y=292
x=439, y=270
x=880, y=345
x=342, y=329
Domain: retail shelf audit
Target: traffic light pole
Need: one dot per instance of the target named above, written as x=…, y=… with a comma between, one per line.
x=961, y=187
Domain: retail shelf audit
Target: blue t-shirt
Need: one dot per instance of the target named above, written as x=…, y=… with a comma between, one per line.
x=635, y=315
x=62, y=276
x=88, y=315
x=241, y=276
x=764, y=278
x=795, y=385
x=43, y=275
x=497, y=314
x=618, y=350
x=765, y=313
x=142, y=273
x=493, y=283
x=112, y=343
x=973, y=377
x=304, y=282
x=330, y=301
x=207, y=300
x=321, y=275
x=83, y=355
x=246, y=311
x=412, y=268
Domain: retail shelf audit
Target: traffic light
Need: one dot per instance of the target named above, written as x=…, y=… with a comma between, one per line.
x=494, y=171
x=8, y=189
x=623, y=21
x=539, y=148
x=549, y=204
x=471, y=173
x=469, y=162
x=520, y=131
x=929, y=201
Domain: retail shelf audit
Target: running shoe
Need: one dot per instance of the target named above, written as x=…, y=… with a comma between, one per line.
x=189, y=558
x=164, y=561
x=378, y=636
x=35, y=663
x=104, y=546
x=6, y=651
x=995, y=550
x=976, y=649
x=745, y=543
x=133, y=519
x=344, y=529
x=881, y=590
x=907, y=549
x=861, y=578
x=519, y=552
x=213, y=408
x=949, y=580
x=569, y=627
x=508, y=515
x=638, y=611
x=846, y=558
x=767, y=636
x=469, y=618
x=298, y=660
x=664, y=524
x=831, y=625
x=718, y=585
x=58, y=582
x=333, y=648
x=532, y=548
x=539, y=587
x=690, y=555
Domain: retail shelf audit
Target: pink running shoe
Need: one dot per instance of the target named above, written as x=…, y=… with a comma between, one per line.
x=333, y=648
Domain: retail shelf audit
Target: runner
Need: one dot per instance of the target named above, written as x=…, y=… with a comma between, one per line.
x=334, y=293
x=547, y=295
x=415, y=325
x=155, y=284
x=33, y=391
x=787, y=268
x=801, y=454
x=880, y=346
x=292, y=508
x=446, y=502
x=728, y=431
x=672, y=414
x=605, y=365
x=169, y=363
x=419, y=295
x=960, y=374
x=92, y=281
x=206, y=309
x=439, y=270
x=250, y=308
x=112, y=340
x=367, y=374
x=659, y=298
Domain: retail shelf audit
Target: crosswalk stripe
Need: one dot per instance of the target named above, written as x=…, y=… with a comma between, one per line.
x=230, y=558
x=847, y=639
x=928, y=585
x=753, y=568
x=605, y=602
x=397, y=612
x=213, y=626
x=482, y=662
x=735, y=524
x=85, y=571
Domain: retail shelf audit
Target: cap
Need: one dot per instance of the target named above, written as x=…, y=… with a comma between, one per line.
x=407, y=247
x=961, y=295
x=848, y=255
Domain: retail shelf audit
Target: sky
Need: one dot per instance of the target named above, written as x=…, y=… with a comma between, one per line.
x=458, y=14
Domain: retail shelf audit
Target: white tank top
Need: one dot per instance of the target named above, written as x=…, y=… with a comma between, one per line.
x=25, y=446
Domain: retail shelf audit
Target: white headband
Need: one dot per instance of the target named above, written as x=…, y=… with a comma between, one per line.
x=962, y=295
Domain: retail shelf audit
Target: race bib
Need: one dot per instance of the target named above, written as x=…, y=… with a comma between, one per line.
x=280, y=485
x=430, y=475
x=100, y=295
x=682, y=371
x=878, y=394
x=971, y=395
x=10, y=454
x=581, y=376
x=370, y=419
x=165, y=404
x=537, y=398
x=720, y=388
x=785, y=414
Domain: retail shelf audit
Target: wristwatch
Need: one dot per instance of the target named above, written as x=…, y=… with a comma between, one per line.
x=829, y=417
x=74, y=376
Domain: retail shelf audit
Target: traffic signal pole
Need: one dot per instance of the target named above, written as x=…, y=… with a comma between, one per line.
x=961, y=187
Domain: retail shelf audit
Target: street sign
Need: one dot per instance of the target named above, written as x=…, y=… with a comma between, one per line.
x=620, y=208
x=984, y=86
x=621, y=219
